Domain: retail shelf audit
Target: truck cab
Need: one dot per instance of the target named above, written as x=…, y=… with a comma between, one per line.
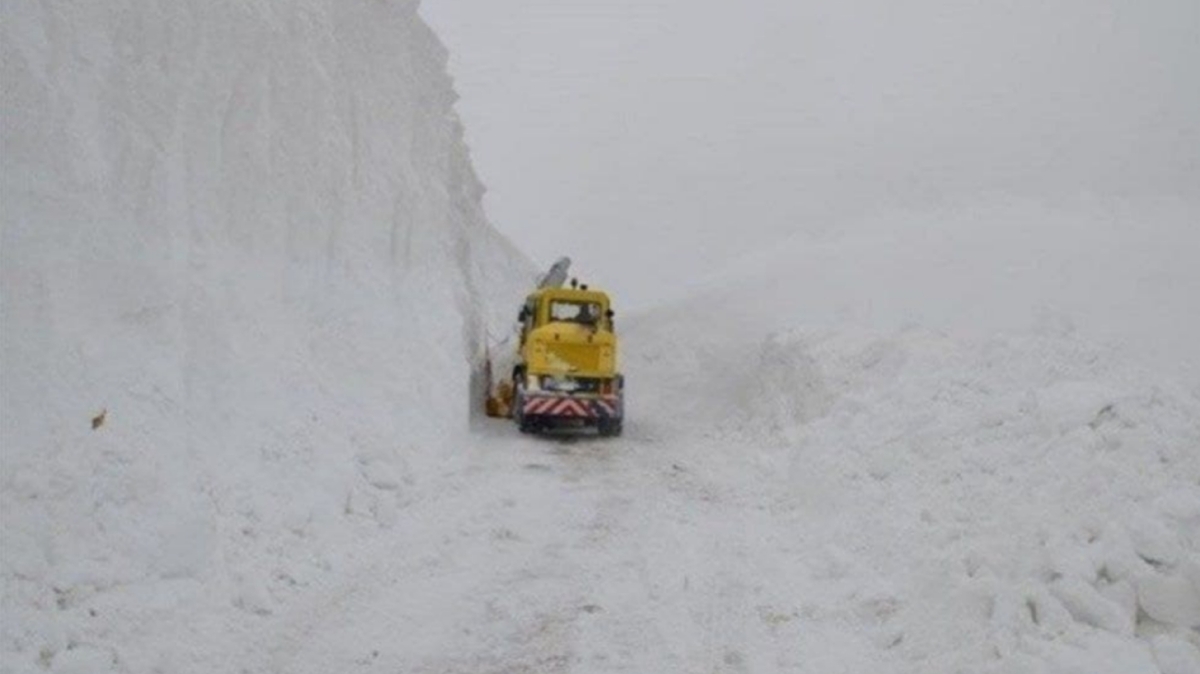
x=566, y=373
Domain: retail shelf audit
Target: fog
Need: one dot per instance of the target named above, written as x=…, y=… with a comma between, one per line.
x=667, y=138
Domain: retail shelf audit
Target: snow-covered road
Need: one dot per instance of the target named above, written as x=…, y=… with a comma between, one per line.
x=583, y=555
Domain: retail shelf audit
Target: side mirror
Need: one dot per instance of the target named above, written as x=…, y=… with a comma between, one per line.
x=609, y=314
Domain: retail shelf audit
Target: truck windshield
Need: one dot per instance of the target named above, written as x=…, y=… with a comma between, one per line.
x=575, y=312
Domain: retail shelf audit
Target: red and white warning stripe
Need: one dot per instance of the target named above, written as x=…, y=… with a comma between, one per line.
x=587, y=408
x=610, y=407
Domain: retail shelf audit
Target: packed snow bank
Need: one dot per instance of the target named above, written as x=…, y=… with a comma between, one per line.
x=246, y=240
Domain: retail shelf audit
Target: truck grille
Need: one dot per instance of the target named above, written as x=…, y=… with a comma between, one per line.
x=577, y=356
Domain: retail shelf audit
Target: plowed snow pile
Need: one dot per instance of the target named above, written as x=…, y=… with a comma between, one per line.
x=946, y=504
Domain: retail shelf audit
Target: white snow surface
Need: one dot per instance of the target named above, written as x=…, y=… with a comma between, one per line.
x=250, y=236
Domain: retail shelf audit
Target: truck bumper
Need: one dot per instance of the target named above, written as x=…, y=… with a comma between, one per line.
x=551, y=406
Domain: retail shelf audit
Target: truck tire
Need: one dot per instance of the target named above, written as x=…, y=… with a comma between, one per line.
x=524, y=423
x=527, y=425
x=610, y=428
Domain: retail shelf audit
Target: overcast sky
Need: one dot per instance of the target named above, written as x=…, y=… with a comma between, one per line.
x=681, y=134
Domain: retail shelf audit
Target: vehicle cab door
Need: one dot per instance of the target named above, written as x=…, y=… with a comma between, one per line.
x=527, y=317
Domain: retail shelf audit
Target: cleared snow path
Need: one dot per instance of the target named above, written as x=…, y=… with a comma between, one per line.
x=575, y=555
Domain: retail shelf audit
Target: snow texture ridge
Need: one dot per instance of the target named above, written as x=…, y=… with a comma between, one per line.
x=245, y=273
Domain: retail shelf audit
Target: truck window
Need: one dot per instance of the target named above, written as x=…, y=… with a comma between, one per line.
x=569, y=311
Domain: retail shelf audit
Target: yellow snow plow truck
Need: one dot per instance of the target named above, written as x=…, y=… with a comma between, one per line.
x=564, y=373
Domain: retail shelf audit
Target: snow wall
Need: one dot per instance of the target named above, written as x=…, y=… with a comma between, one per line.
x=245, y=273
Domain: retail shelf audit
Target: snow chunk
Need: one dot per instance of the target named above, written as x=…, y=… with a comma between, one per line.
x=1123, y=594
x=1088, y=606
x=1171, y=599
x=382, y=471
x=1154, y=542
x=1182, y=508
x=1175, y=656
x=1120, y=560
x=1018, y=611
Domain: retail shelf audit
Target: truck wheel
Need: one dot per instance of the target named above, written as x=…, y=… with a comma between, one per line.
x=523, y=422
x=610, y=428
